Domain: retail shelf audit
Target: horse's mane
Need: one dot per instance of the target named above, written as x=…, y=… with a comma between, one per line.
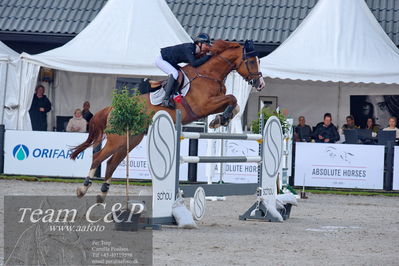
x=219, y=46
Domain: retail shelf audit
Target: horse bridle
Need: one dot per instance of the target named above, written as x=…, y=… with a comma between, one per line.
x=244, y=59
x=245, y=56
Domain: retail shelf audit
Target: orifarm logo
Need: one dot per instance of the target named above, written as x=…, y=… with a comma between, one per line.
x=20, y=152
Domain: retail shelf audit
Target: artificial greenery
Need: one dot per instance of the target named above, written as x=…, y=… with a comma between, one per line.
x=128, y=113
x=267, y=113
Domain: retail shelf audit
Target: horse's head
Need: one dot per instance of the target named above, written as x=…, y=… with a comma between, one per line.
x=243, y=59
x=248, y=66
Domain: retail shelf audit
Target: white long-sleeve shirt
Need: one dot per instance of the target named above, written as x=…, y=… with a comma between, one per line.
x=76, y=125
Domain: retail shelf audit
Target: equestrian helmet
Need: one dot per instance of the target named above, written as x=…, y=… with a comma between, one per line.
x=202, y=38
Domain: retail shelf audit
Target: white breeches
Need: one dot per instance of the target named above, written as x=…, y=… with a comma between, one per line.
x=166, y=67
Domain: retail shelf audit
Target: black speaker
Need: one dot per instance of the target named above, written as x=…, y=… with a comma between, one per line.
x=62, y=122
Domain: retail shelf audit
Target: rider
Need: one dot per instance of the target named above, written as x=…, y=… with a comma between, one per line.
x=195, y=54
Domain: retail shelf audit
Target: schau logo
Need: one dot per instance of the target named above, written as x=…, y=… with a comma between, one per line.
x=20, y=152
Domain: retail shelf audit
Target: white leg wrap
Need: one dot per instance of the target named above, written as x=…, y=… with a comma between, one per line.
x=92, y=172
x=236, y=110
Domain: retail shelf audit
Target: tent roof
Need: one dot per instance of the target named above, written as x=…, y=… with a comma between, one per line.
x=339, y=41
x=265, y=22
x=6, y=53
x=123, y=39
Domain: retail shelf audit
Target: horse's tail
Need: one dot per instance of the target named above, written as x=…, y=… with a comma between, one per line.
x=97, y=126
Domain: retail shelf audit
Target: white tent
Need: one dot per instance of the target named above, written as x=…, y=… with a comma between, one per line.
x=6, y=53
x=123, y=40
x=340, y=43
x=9, y=63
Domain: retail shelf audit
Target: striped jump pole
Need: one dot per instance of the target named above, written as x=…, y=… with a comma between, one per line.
x=218, y=159
x=227, y=136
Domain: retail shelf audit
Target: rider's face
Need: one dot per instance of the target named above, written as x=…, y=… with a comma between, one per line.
x=205, y=47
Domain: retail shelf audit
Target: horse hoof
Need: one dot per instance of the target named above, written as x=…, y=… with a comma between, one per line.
x=215, y=123
x=80, y=192
x=100, y=199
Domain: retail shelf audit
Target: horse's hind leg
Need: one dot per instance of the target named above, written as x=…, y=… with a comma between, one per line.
x=113, y=162
x=98, y=158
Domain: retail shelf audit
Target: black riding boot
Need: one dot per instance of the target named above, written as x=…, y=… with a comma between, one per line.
x=169, y=89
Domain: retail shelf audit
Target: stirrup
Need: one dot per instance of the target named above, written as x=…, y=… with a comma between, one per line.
x=168, y=103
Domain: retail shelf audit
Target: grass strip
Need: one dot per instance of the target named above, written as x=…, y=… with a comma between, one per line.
x=354, y=192
x=69, y=180
x=148, y=183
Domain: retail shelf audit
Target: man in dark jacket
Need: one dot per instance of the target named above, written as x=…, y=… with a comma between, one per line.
x=39, y=109
x=87, y=115
x=303, y=132
x=350, y=123
x=183, y=53
x=326, y=131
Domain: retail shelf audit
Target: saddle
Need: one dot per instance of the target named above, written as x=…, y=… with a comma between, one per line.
x=152, y=85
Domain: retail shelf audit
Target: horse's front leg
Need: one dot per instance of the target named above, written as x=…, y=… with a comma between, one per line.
x=226, y=104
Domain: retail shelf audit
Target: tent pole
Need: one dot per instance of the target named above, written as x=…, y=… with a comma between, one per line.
x=54, y=106
x=339, y=103
x=19, y=93
x=3, y=103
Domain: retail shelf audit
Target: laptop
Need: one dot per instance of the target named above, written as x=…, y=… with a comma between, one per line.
x=365, y=136
x=386, y=136
x=351, y=136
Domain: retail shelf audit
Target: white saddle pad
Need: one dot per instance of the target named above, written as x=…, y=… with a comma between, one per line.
x=156, y=97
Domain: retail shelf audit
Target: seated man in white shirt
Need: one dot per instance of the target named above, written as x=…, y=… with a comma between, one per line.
x=392, y=126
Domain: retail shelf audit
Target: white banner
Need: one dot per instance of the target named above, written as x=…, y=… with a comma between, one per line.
x=339, y=165
x=395, y=185
x=45, y=153
x=139, y=164
x=232, y=172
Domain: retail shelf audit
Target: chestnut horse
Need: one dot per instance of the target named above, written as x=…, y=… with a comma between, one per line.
x=207, y=95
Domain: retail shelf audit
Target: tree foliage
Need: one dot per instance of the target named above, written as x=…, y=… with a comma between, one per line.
x=128, y=113
x=267, y=113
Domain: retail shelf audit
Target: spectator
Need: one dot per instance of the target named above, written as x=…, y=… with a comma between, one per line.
x=392, y=126
x=77, y=123
x=350, y=123
x=371, y=125
x=326, y=131
x=41, y=105
x=87, y=115
x=303, y=132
